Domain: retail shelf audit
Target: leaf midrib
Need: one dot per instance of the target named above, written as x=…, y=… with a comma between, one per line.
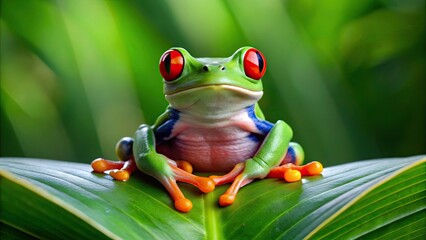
x=214, y=230
x=213, y=227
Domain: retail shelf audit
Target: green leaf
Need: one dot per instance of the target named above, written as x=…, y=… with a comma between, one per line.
x=370, y=199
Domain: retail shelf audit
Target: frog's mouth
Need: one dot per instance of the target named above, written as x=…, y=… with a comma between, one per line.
x=220, y=87
x=213, y=99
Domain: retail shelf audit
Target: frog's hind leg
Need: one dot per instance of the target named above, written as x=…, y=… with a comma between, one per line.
x=295, y=154
x=119, y=170
x=291, y=168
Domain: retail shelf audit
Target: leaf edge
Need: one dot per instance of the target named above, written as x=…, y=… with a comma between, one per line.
x=422, y=159
x=49, y=197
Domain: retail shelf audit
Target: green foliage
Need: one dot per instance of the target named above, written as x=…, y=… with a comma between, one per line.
x=370, y=199
x=348, y=76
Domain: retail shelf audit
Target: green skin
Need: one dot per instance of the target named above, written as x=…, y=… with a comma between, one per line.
x=192, y=84
x=213, y=124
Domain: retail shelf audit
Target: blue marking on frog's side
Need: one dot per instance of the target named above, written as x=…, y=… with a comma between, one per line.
x=165, y=130
x=262, y=125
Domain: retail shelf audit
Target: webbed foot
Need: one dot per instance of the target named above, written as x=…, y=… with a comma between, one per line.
x=181, y=203
x=120, y=171
x=120, y=175
x=239, y=177
x=293, y=173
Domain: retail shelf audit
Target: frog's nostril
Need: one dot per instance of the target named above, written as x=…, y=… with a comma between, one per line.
x=223, y=68
x=205, y=69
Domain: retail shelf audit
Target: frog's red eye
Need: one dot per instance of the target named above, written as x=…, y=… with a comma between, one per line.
x=254, y=64
x=171, y=65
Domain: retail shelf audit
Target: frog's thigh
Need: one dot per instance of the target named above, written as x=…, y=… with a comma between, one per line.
x=295, y=154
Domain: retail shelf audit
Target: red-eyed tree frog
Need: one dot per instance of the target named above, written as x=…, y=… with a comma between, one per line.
x=213, y=124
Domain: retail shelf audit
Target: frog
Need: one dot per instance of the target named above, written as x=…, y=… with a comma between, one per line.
x=212, y=124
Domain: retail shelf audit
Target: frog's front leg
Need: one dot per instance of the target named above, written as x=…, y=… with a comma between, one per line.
x=269, y=155
x=292, y=160
x=165, y=170
x=119, y=170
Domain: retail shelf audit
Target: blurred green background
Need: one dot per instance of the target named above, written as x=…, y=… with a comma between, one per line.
x=348, y=76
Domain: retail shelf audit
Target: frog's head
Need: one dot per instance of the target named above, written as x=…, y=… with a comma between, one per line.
x=209, y=87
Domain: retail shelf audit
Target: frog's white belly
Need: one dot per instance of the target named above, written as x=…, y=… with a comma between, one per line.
x=213, y=149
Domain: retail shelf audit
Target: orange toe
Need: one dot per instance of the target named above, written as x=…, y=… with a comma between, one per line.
x=226, y=200
x=216, y=179
x=99, y=165
x=183, y=205
x=120, y=175
x=185, y=165
x=314, y=168
x=206, y=185
x=291, y=175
